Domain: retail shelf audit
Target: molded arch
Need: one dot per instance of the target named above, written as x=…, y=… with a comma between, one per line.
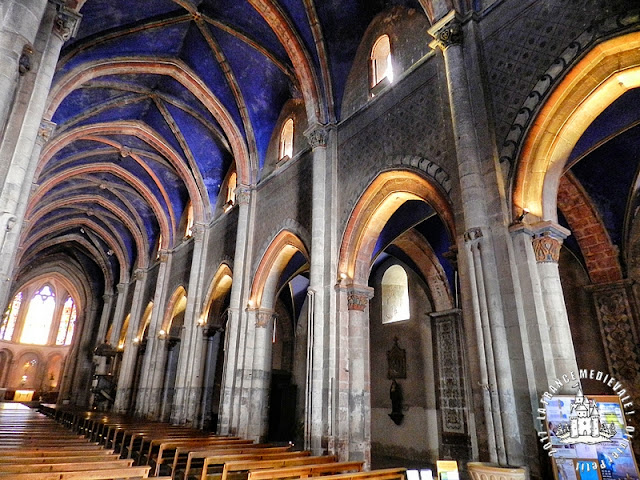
x=604, y=74
x=274, y=261
x=173, y=68
x=177, y=304
x=218, y=289
x=378, y=203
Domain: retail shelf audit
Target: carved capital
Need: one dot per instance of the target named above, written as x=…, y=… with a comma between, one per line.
x=45, y=130
x=447, y=32
x=358, y=298
x=139, y=274
x=198, y=229
x=66, y=23
x=473, y=234
x=163, y=256
x=265, y=318
x=24, y=62
x=317, y=136
x=121, y=288
x=243, y=194
x=210, y=331
x=547, y=240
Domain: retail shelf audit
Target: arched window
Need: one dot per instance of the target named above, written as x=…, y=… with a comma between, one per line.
x=10, y=317
x=159, y=246
x=188, y=231
x=286, y=140
x=395, y=295
x=381, y=61
x=67, y=323
x=232, y=183
x=39, y=317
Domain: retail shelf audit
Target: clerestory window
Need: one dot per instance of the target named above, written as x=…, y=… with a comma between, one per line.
x=381, y=67
x=395, y=295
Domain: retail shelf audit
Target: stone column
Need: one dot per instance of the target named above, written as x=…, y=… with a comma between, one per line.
x=107, y=307
x=119, y=313
x=232, y=379
x=20, y=148
x=81, y=380
x=129, y=355
x=212, y=337
x=547, y=241
x=350, y=394
x=20, y=24
x=188, y=388
x=616, y=313
x=491, y=309
x=154, y=357
x=323, y=272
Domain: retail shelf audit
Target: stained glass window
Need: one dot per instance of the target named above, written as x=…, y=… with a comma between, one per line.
x=39, y=317
x=9, y=319
x=67, y=323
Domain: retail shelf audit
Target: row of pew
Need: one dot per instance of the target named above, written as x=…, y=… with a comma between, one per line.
x=65, y=444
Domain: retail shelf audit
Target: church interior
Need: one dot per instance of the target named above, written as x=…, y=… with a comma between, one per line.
x=378, y=229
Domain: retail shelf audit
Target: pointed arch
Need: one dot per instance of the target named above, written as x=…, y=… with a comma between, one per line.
x=273, y=263
x=219, y=288
x=604, y=74
x=382, y=198
x=177, y=304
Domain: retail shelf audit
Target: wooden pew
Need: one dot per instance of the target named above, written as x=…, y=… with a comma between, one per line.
x=167, y=448
x=65, y=467
x=32, y=460
x=304, y=471
x=128, y=473
x=181, y=455
x=217, y=461
x=231, y=468
x=382, y=474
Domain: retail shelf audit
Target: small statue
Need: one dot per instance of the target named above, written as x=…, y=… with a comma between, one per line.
x=395, y=393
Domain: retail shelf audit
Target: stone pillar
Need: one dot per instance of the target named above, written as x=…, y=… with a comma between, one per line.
x=20, y=148
x=107, y=307
x=232, y=377
x=129, y=355
x=350, y=394
x=322, y=301
x=547, y=241
x=154, y=357
x=20, y=24
x=81, y=381
x=119, y=313
x=491, y=309
x=212, y=337
x=188, y=388
x=616, y=313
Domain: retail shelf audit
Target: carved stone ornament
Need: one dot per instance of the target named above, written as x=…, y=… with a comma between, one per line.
x=264, y=319
x=473, y=234
x=317, y=136
x=243, y=195
x=24, y=63
x=46, y=130
x=357, y=301
x=546, y=248
x=447, y=32
x=67, y=23
x=138, y=275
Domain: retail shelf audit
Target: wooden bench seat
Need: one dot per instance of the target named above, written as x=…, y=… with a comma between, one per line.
x=65, y=467
x=233, y=468
x=181, y=454
x=304, y=471
x=56, y=459
x=381, y=474
x=204, y=459
x=129, y=473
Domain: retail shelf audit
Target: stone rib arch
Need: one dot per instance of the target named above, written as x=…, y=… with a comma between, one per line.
x=431, y=169
x=273, y=262
x=388, y=191
x=605, y=73
x=219, y=287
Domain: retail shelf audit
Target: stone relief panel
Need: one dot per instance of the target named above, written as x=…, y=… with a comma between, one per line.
x=529, y=53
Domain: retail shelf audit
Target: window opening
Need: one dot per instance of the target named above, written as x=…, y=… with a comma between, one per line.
x=395, y=295
x=232, y=183
x=381, y=61
x=39, y=317
x=189, y=228
x=67, y=323
x=10, y=318
x=286, y=140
